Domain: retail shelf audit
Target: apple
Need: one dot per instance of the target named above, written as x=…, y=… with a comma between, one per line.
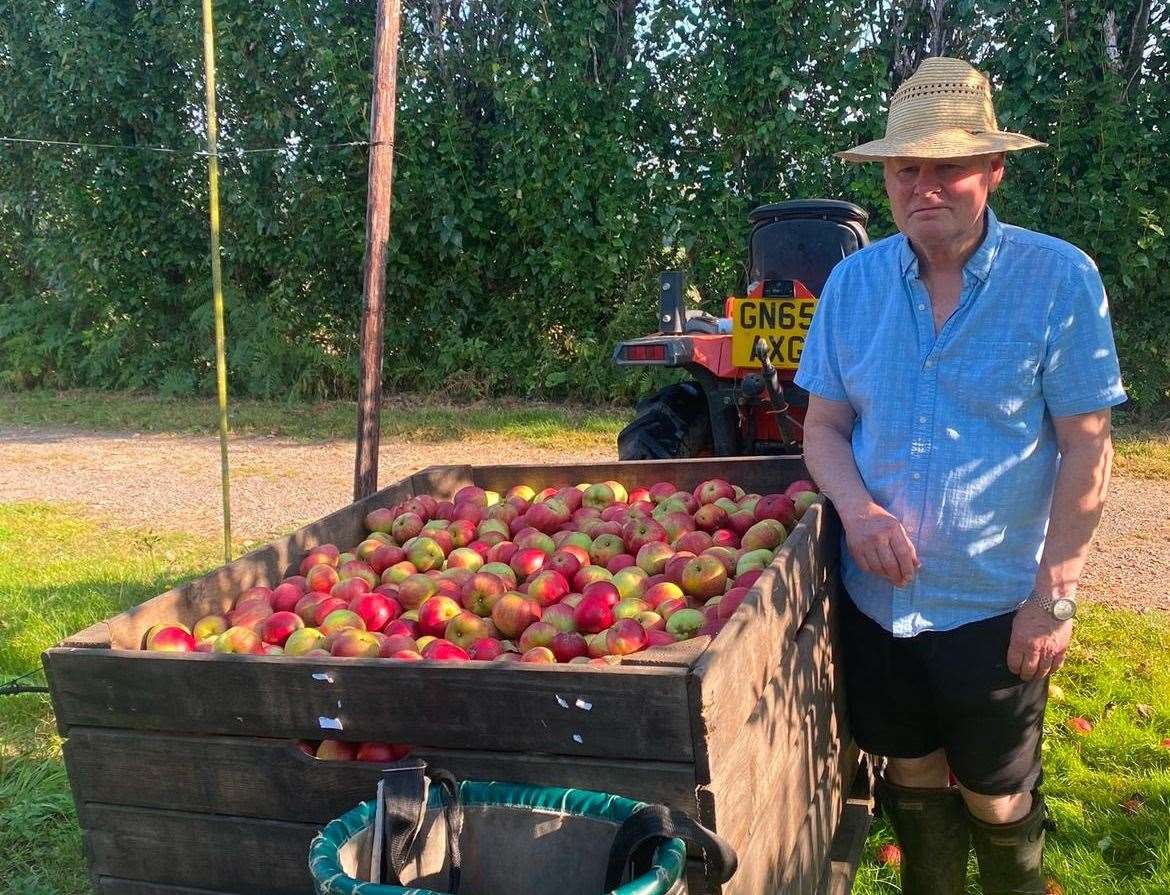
x=377, y=610
x=416, y=589
x=324, y=608
x=800, y=486
x=501, y=570
x=399, y=572
x=539, y=655
x=599, y=496
x=524, y=492
x=355, y=644
x=325, y=554
x=692, y=542
x=710, y=517
x=480, y=593
x=407, y=627
x=741, y=520
x=380, y=519
x=560, y=616
x=407, y=655
x=336, y=750
x=547, y=587
x=171, y=639
x=321, y=578
x=630, y=607
x=406, y=526
x=464, y=558
x=238, y=640
x=392, y=643
x=606, y=547
x=302, y=641
x=569, y=645
x=779, y=507
x=258, y=593
x=527, y=561
x=465, y=629
x=659, y=593
x=670, y=606
x=485, y=649
x=382, y=752
x=594, y=613
x=651, y=620
x=1079, y=726
x=630, y=582
x=725, y=555
x=425, y=553
x=888, y=855
x=596, y=645
x=444, y=651
x=803, y=501
x=624, y=637
x=765, y=534
x=588, y=575
x=730, y=602
x=350, y=589
x=711, y=490
x=285, y=596
x=533, y=539
x=565, y=562
x=726, y=538
x=249, y=615
x=704, y=577
x=752, y=560
x=279, y=626
x=676, y=524
x=748, y=578
x=209, y=626
x=537, y=634
x=659, y=637
x=685, y=623
x=514, y=612
x=676, y=564
x=652, y=557
x=340, y=620
x=435, y=614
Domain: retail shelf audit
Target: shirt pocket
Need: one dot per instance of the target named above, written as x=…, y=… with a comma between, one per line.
x=1000, y=376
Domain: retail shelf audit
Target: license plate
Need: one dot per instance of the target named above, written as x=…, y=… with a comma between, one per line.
x=781, y=322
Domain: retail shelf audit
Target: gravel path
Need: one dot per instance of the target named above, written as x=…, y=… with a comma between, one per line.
x=167, y=482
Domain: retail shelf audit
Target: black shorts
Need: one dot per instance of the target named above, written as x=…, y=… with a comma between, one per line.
x=949, y=690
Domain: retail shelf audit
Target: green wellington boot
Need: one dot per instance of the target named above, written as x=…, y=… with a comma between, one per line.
x=1011, y=856
x=932, y=831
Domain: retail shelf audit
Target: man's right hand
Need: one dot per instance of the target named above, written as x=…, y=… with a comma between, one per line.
x=879, y=545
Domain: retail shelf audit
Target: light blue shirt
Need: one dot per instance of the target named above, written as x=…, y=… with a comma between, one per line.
x=954, y=432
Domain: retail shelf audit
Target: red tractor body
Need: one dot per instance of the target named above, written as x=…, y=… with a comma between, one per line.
x=739, y=398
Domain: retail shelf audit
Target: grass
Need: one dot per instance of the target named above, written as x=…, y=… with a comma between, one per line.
x=60, y=572
x=1142, y=450
x=404, y=417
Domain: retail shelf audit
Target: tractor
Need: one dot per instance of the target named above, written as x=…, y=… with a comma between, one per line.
x=739, y=398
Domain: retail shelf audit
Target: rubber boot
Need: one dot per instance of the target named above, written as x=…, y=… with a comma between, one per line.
x=932, y=831
x=1011, y=856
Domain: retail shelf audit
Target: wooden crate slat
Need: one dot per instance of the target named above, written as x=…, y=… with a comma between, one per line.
x=796, y=715
x=845, y=851
x=274, y=779
x=733, y=673
x=630, y=713
x=221, y=853
x=108, y=885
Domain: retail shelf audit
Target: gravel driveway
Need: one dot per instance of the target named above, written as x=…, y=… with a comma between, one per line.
x=165, y=482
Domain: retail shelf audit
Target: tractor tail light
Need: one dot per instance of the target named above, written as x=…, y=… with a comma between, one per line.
x=646, y=353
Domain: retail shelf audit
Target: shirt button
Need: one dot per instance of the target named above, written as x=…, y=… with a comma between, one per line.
x=922, y=419
x=922, y=307
x=929, y=364
x=917, y=475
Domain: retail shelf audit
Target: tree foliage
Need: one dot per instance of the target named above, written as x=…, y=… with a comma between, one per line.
x=551, y=158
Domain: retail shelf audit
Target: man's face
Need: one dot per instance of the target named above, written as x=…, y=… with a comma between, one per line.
x=938, y=201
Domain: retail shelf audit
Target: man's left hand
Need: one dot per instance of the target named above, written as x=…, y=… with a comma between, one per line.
x=1038, y=642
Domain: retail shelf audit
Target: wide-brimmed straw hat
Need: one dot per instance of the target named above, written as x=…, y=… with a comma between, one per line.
x=943, y=110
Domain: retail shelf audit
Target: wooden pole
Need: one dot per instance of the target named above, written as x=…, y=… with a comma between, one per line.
x=216, y=273
x=381, y=175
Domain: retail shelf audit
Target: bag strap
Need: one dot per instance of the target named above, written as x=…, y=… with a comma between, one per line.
x=646, y=828
x=405, y=793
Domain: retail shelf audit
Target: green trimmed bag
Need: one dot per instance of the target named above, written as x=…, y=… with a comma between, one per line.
x=510, y=839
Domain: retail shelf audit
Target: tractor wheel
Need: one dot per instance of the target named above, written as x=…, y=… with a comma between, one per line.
x=669, y=425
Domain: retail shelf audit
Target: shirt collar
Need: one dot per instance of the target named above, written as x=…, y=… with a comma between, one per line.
x=978, y=265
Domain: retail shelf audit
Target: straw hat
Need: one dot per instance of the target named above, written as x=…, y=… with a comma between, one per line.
x=943, y=110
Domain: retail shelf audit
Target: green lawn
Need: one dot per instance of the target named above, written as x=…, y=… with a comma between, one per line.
x=404, y=417
x=60, y=572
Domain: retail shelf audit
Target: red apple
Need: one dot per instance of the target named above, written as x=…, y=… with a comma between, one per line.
x=889, y=855
x=588, y=575
x=321, y=578
x=465, y=629
x=350, y=589
x=399, y=572
x=416, y=589
x=626, y=636
x=564, y=562
x=692, y=542
x=527, y=561
x=1079, y=726
x=778, y=507
x=435, y=614
x=514, y=612
x=568, y=645
x=303, y=641
x=485, y=649
x=376, y=610
x=238, y=640
x=537, y=634
x=170, y=639
x=336, y=750
x=325, y=554
x=444, y=651
x=652, y=557
x=547, y=587
x=382, y=752
x=798, y=487
x=659, y=593
x=279, y=626
x=406, y=627
x=353, y=643
x=594, y=613
x=606, y=547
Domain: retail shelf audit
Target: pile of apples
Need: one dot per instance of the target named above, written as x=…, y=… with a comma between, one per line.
x=583, y=574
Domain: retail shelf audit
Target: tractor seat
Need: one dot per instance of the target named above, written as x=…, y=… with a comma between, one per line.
x=803, y=239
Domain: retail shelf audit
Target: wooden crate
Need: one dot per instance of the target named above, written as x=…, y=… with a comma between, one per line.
x=187, y=777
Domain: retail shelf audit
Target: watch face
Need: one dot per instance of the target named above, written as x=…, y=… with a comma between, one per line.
x=1064, y=609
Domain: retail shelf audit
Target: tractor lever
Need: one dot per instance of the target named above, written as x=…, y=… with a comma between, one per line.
x=775, y=393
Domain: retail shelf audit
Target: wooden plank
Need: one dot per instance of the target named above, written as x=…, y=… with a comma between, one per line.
x=108, y=885
x=274, y=779
x=629, y=713
x=732, y=676
x=808, y=861
x=845, y=851
x=792, y=717
x=763, y=475
x=177, y=848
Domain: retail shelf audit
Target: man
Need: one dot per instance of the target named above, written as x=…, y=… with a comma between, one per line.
x=961, y=374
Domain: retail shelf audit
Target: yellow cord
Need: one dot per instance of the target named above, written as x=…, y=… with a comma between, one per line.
x=217, y=273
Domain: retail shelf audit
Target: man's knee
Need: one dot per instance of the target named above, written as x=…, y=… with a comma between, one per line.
x=929, y=771
x=997, y=809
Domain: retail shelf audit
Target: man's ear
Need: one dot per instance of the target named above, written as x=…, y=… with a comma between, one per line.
x=996, y=171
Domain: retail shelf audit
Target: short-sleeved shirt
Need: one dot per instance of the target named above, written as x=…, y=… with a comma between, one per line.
x=954, y=433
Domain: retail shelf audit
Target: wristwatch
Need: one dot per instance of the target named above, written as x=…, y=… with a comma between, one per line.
x=1060, y=608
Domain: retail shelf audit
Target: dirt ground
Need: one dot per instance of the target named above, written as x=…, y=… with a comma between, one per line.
x=171, y=483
